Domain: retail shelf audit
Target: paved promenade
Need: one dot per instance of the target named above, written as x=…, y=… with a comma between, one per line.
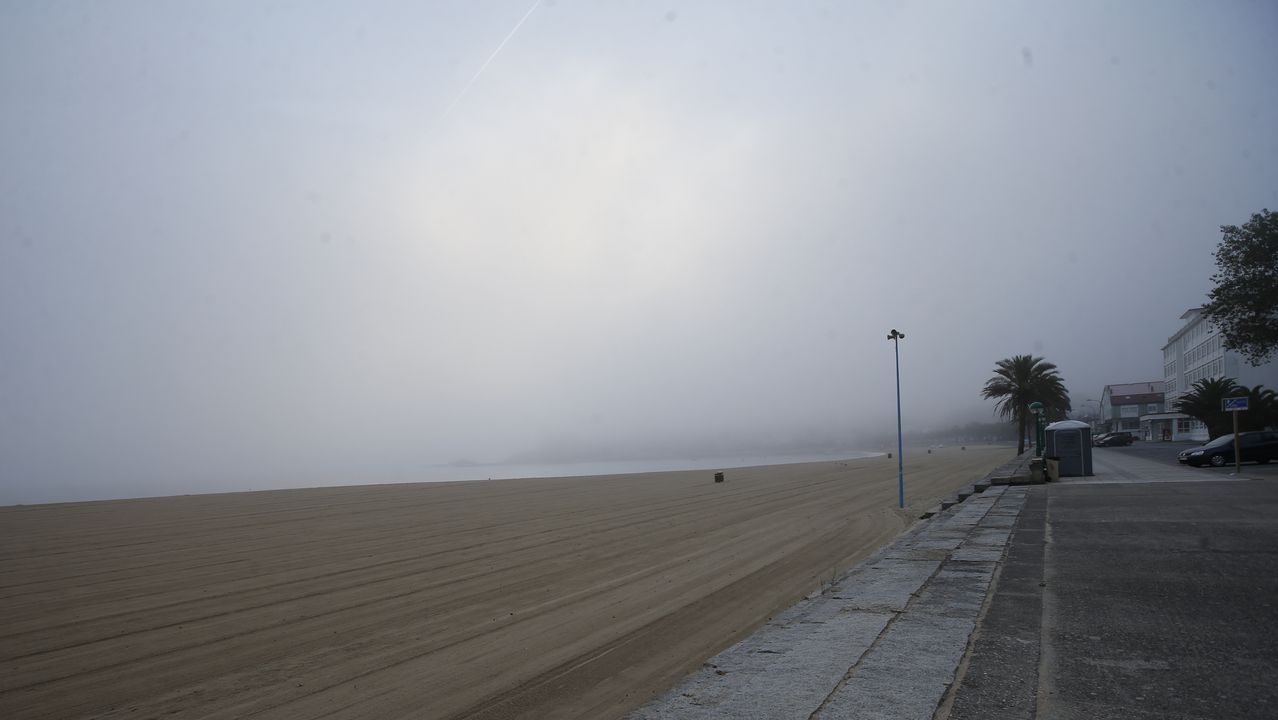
x=1149, y=591
x=1146, y=591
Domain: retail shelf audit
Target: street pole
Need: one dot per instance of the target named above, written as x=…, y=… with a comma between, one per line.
x=1037, y=409
x=1237, y=447
x=896, y=337
x=1236, y=405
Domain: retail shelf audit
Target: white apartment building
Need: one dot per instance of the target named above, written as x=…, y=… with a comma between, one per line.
x=1196, y=352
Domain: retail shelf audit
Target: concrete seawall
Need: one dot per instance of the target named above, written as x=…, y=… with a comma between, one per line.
x=883, y=641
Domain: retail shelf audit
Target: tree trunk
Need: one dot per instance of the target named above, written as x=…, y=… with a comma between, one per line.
x=1020, y=434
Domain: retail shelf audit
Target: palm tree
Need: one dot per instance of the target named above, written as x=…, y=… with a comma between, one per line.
x=1021, y=380
x=1203, y=402
x=1262, y=410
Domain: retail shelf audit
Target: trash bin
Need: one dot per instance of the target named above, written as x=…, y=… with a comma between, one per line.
x=1071, y=441
x=1038, y=471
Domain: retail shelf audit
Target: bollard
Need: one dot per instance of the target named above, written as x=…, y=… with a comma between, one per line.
x=718, y=477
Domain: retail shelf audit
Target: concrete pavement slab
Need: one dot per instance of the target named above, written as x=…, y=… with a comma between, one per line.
x=890, y=589
x=978, y=554
x=780, y=672
x=906, y=674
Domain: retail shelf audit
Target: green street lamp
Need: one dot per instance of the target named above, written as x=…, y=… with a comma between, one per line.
x=1036, y=407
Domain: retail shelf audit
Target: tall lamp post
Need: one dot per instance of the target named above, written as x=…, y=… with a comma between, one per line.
x=1037, y=408
x=1095, y=422
x=896, y=338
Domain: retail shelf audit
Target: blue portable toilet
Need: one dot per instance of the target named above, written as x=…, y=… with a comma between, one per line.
x=1071, y=441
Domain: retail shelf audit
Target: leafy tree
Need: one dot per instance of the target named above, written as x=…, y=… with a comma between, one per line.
x=1021, y=380
x=1244, y=303
x=1203, y=403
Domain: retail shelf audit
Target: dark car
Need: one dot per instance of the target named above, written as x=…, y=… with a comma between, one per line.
x=1114, y=439
x=1259, y=447
x=1183, y=456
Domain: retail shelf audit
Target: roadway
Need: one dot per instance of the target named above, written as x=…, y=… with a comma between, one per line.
x=1165, y=452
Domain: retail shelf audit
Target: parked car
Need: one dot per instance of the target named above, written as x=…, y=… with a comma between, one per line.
x=1183, y=455
x=1116, y=438
x=1098, y=439
x=1259, y=447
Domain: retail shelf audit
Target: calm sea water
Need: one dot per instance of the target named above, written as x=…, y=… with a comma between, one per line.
x=618, y=467
x=71, y=491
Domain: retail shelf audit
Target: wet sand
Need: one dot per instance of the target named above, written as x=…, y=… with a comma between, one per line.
x=570, y=597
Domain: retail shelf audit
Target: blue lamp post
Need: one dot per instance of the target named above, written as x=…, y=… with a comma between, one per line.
x=896, y=338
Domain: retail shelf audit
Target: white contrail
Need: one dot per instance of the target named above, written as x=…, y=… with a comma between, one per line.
x=490, y=59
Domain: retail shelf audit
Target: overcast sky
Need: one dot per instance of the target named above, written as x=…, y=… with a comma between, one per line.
x=256, y=243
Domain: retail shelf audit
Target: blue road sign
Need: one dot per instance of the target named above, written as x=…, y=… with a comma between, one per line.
x=1234, y=404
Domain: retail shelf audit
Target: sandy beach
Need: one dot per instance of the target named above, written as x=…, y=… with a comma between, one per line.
x=570, y=597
